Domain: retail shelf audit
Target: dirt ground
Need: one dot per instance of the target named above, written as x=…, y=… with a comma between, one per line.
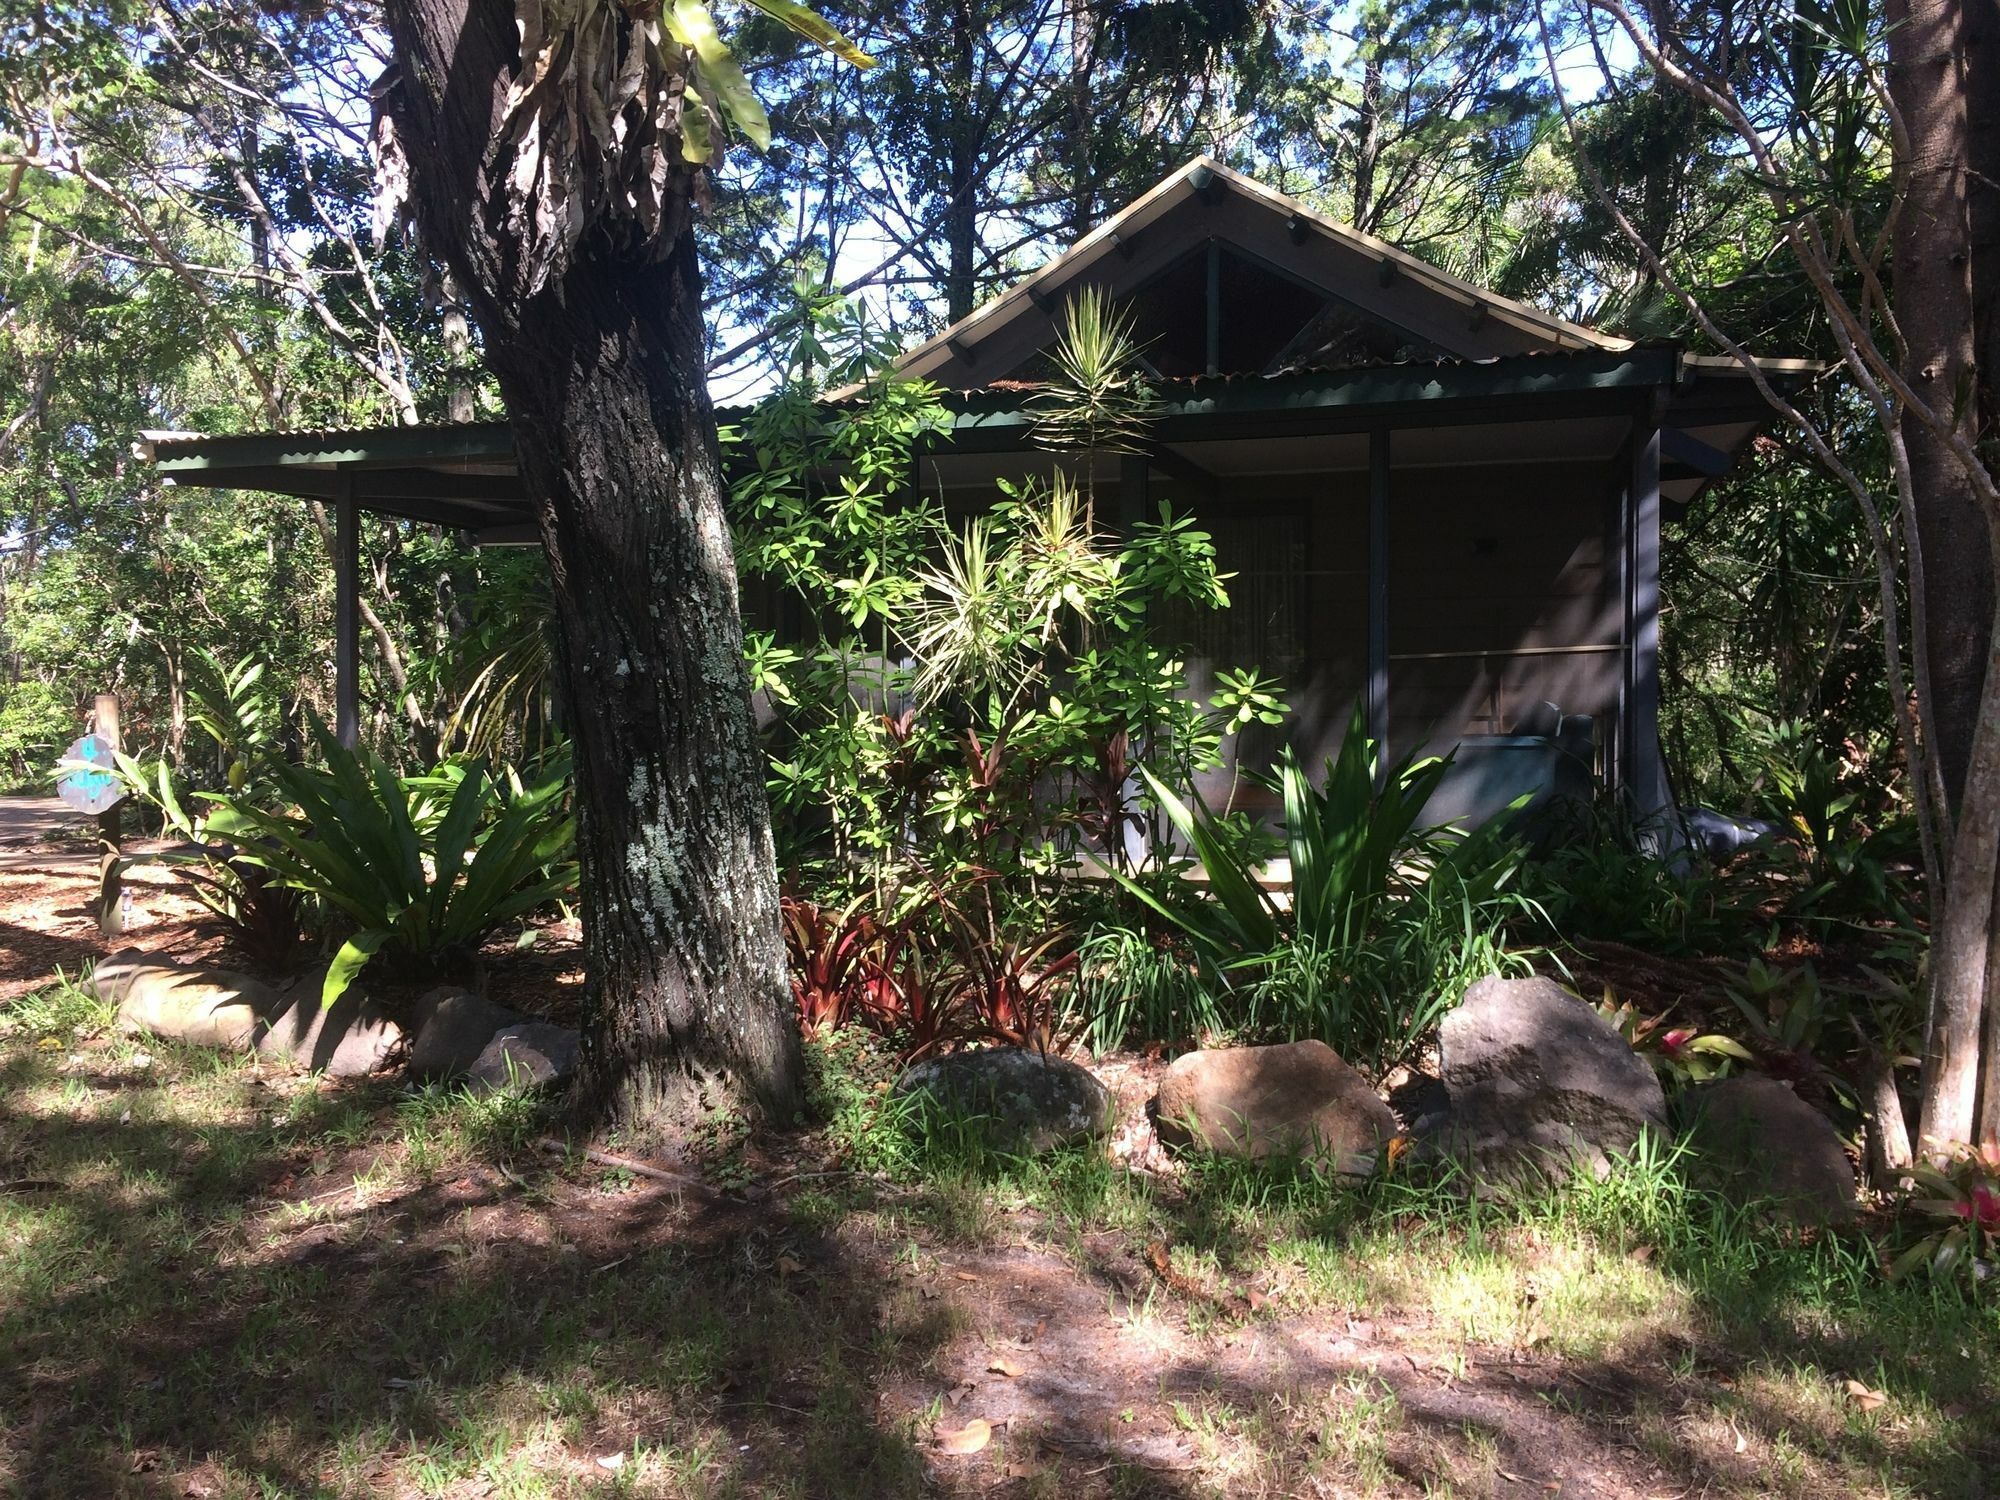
x=228, y=1279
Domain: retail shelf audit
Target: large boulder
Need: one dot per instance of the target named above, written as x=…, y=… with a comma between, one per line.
x=1299, y=1099
x=200, y=1006
x=1023, y=1102
x=451, y=1029
x=351, y=1038
x=531, y=1054
x=1753, y=1137
x=1539, y=1084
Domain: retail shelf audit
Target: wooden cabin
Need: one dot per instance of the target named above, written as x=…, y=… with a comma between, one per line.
x=1433, y=499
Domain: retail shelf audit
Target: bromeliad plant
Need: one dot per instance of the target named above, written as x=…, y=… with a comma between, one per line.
x=1960, y=1209
x=424, y=866
x=1681, y=1055
x=931, y=978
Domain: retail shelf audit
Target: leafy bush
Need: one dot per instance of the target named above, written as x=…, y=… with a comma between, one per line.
x=36, y=721
x=1386, y=923
x=1852, y=849
x=976, y=691
x=1602, y=874
x=425, y=866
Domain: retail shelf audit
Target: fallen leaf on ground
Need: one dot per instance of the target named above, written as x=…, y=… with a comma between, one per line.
x=1864, y=1398
x=970, y=1438
x=965, y=1275
x=613, y=1461
x=1001, y=1366
x=790, y=1265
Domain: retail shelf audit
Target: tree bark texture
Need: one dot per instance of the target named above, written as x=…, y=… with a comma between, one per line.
x=1982, y=192
x=686, y=999
x=1934, y=306
x=961, y=219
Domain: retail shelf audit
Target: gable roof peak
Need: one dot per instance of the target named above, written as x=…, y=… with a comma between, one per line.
x=1207, y=202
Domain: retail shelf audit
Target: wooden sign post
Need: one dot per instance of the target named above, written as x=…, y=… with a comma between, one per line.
x=90, y=784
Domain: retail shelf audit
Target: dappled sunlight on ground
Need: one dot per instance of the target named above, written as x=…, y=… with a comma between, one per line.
x=222, y=1278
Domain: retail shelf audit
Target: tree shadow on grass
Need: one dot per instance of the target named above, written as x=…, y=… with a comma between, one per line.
x=169, y=1316
x=256, y=1303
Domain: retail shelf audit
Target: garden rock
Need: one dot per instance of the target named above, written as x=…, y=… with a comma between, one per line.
x=1539, y=1084
x=351, y=1038
x=203, y=1007
x=1298, y=1099
x=451, y=1030
x=1027, y=1102
x=1755, y=1138
x=532, y=1054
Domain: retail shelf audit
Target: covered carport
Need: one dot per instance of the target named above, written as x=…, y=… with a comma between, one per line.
x=458, y=475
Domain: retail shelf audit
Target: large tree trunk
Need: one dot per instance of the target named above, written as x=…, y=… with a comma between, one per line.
x=1982, y=76
x=602, y=370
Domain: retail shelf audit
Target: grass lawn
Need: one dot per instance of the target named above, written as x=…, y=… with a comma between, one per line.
x=220, y=1279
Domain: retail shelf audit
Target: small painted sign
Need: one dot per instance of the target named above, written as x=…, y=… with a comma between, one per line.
x=89, y=781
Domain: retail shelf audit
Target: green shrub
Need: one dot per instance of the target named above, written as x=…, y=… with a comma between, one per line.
x=1602, y=876
x=36, y=721
x=1130, y=984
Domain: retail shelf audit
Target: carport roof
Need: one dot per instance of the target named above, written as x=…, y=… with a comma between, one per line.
x=464, y=475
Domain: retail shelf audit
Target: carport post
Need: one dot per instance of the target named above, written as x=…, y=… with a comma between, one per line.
x=347, y=613
x=1378, y=598
x=1645, y=775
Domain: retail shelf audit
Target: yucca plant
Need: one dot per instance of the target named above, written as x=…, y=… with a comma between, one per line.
x=361, y=840
x=1097, y=401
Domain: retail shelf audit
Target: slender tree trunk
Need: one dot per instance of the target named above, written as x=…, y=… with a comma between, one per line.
x=1082, y=59
x=1368, y=141
x=1934, y=305
x=961, y=223
x=1965, y=965
x=1956, y=540
x=602, y=369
